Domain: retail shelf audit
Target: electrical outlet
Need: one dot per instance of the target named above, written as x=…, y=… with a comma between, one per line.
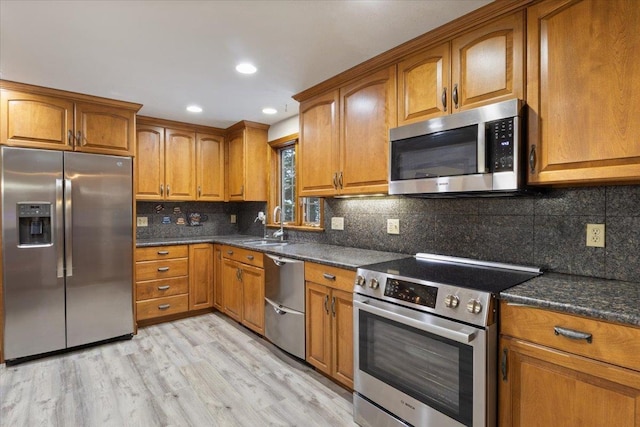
x=595, y=235
x=337, y=223
x=142, y=221
x=234, y=218
x=393, y=226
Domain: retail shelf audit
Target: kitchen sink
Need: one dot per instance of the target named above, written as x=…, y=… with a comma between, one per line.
x=266, y=242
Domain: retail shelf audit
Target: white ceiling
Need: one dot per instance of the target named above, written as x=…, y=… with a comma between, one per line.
x=168, y=54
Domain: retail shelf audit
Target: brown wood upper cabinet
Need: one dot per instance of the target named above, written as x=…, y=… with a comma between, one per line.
x=178, y=163
x=38, y=117
x=344, y=137
x=582, y=91
x=247, y=153
x=479, y=67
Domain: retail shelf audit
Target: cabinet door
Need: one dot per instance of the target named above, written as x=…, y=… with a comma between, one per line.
x=35, y=120
x=232, y=289
x=342, y=336
x=252, y=279
x=235, y=173
x=424, y=91
x=582, y=91
x=319, y=146
x=209, y=167
x=180, y=165
x=487, y=64
x=545, y=387
x=367, y=112
x=218, y=296
x=200, y=276
x=149, y=163
x=104, y=130
x=318, y=327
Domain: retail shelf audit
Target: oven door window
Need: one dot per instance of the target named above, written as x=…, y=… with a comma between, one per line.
x=435, y=370
x=449, y=153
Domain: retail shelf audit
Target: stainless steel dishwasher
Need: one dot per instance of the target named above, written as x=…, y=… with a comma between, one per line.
x=284, y=304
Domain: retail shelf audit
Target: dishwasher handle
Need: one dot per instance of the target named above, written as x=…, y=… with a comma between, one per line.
x=280, y=309
x=280, y=261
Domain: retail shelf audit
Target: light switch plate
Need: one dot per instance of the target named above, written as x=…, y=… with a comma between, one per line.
x=234, y=218
x=142, y=221
x=393, y=226
x=337, y=223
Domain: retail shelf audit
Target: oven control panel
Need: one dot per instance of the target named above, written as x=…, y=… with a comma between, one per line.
x=453, y=302
x=411, y=292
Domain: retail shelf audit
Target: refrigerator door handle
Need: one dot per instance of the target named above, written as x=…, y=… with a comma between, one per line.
x=59, y=225
x=68, y=221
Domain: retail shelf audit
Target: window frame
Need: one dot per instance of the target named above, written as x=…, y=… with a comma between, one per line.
x=274, y=187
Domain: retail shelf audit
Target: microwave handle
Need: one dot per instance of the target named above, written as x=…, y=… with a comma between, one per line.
x=482, y=148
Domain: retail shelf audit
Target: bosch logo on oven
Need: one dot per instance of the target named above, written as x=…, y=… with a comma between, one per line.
x=407, y=405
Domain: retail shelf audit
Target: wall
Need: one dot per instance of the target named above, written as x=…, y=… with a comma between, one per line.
x=284, y=128
x=546, y=231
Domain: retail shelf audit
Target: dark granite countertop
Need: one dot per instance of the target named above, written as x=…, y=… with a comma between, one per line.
x=610, y=300
x=337, y=256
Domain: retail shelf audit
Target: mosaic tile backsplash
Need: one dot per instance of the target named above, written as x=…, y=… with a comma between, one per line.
x=547, y=231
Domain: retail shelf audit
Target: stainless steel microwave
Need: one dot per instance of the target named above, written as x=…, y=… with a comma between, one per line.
x=474, y=152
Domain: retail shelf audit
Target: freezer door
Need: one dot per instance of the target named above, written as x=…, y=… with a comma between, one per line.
x=99, y=227
x=33, y=279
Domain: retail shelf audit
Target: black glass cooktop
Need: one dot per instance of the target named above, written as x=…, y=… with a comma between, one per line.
x=484, y=278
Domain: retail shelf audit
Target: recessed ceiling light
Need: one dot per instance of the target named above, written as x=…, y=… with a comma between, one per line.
x=194, y=109
x=246, y=68
x=269, y=110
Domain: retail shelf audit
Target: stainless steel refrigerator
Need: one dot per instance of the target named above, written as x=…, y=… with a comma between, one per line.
x=67, y=244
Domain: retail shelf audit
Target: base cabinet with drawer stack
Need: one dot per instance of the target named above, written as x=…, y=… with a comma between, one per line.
x=558, y=369
x=329, y=318
x=173, y=280
x=243, y=286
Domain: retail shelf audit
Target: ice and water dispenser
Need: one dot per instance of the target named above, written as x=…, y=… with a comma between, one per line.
x=34, y=224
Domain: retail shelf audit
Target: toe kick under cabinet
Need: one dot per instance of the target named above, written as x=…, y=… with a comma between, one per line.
x=173, y=280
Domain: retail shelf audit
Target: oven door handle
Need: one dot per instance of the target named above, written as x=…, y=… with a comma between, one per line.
x=463, y=334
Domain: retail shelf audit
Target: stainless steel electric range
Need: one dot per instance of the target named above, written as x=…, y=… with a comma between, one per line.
x=425, y=340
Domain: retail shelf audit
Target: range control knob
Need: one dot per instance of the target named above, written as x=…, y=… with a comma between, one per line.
x=474, y=306
x=451, y=301
x=360, y=280
x=374, y=284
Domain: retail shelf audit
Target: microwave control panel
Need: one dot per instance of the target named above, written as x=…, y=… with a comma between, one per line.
x=501, y=137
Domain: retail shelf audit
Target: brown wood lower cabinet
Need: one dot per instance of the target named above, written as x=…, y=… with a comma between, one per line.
x=218, y=298
x=173, y=280
x=329, y=318
x=548, y=379
x=243, y=287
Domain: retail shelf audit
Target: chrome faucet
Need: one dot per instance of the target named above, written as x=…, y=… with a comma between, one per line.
x=278, y=233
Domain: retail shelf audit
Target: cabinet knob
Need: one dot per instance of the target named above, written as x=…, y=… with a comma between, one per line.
x=161, y=190
x=168, y=190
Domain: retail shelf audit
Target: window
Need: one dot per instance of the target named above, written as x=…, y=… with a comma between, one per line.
x=302, y=212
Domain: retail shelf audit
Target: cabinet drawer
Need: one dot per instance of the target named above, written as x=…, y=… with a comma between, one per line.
x=333, y=277
x=244, y=256
x=161, y=252
x=612, y=343
x=162, y=288
x=151, y=270
x=162, y=306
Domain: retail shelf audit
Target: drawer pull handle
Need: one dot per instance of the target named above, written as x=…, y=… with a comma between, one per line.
x=163, y=306
x=163, y=252
x=163, y=288
x=574, y=335
x=328, y=276
x=229, y=252
x=161, y=269
x=250, y=257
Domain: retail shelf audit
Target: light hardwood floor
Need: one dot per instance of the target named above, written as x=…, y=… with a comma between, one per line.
x=201, y=371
